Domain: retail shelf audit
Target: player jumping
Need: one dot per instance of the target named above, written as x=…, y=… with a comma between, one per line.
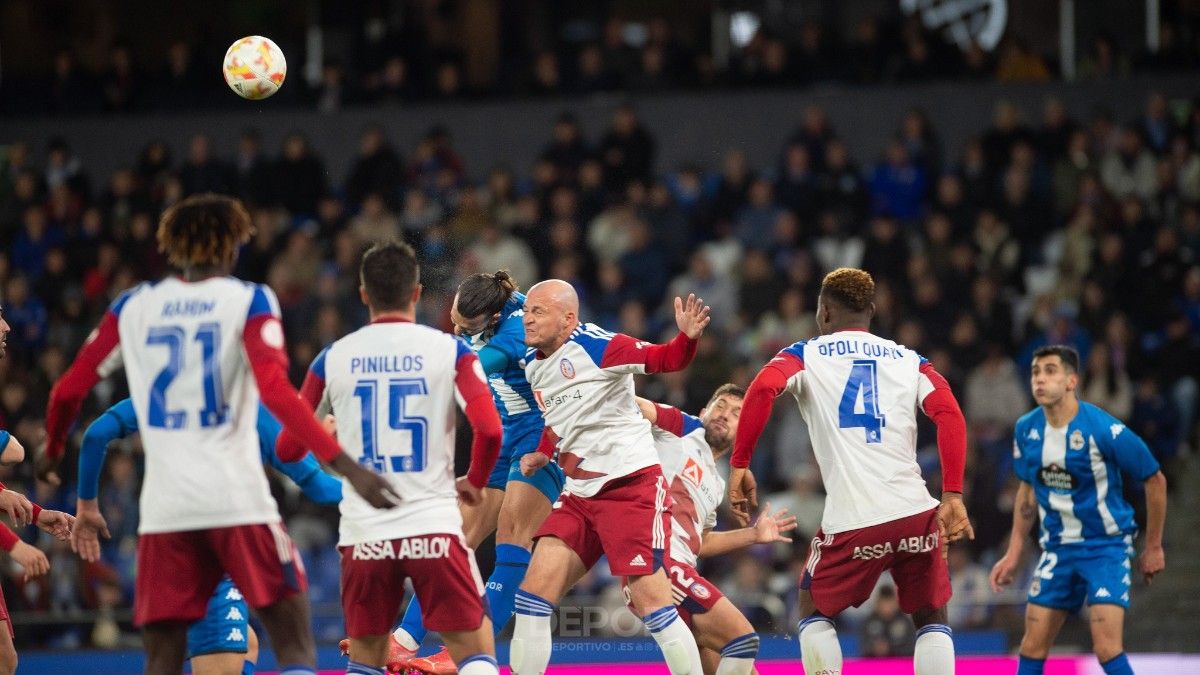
x=688, y=448
x=859, y=394
x=1069, y=456
x=487, y=312
x=223, y=641
x=199, y=349
x=616, y=501
x=392, y=387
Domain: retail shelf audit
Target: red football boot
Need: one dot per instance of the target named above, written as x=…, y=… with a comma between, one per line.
x=438, y=664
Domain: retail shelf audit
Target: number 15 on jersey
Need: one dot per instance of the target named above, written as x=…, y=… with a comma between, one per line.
x=399, y=444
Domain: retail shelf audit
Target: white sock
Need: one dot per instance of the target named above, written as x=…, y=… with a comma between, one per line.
x=819, y=648
x=737, y=657
x=934, y=653
x=676, y=641
x=480, y=664
x=529, y=650
x=405, y=639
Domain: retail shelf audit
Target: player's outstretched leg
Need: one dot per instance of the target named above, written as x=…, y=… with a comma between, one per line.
x=726, y=631
x=288, y=625
x=555, y=567
x=934, y=651
x=526, y=505
x=652, y=595
x=820, y=651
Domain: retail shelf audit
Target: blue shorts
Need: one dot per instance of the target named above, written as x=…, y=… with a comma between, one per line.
x=225, y=626
x=518, y=441
x=1069, y=575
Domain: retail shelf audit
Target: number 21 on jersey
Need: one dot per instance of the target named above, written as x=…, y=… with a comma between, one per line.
x=863, y=385
x=397, y=445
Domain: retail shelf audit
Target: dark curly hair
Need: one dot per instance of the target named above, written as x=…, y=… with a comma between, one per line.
x=204, y=230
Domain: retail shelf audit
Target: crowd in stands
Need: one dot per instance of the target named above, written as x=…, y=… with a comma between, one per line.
x=1042, y=229
x=422, y=55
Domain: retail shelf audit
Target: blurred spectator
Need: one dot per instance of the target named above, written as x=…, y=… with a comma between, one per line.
x=1129, y=168
x=252, y=170
x=898, y=184
x=300, y=177
x=627, y=150
x=202, y=172
x=973, y=596
x=378, y=169
x=375, y=222
x=996, y=395
x=1018, y=64
x=1104, y=60
x=121, y=83
x=494, y=250
x=1106, y=384
x=886, y=632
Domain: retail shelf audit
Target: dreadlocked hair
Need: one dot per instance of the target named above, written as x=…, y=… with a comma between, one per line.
x=204, y=230
x=849, y=287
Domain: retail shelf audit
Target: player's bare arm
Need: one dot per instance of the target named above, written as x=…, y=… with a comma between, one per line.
x=1152, y=560
x=89, y=527
x=1024, y=515
x=17, y=506
x=771, y=527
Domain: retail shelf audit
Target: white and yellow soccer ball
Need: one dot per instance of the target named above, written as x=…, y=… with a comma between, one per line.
x=254, y=67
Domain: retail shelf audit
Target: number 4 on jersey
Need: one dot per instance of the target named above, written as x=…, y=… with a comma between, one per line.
x=863, y=385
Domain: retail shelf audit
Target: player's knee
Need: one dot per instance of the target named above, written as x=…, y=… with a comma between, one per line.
x=1107, y=649
x=1034, y=646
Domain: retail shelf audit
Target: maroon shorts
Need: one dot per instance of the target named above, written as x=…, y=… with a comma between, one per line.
x=843, y=568
x=443, y=573
x=177, y=571
x=5, y=618
x=629, y=520
x=693, y=593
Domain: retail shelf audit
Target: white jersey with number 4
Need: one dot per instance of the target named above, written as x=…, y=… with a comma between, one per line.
x=859, y=394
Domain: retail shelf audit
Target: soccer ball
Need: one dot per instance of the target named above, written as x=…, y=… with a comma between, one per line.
x=254, y=67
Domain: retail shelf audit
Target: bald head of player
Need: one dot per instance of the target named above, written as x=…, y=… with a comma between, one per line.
x=847, y=301
x=551, y=313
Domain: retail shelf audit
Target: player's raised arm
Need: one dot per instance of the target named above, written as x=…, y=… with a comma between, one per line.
x=770, y=527
x=99, y=356
x=306, y=473
x=475, y=399
x=772, y=379
x=939, y=404
x=625, y=354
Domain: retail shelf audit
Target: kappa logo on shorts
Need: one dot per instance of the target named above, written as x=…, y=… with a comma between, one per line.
x=233, y=594
x=234, y=614
x=236, y=635
x=1103, y=593
x=567, y=369
x=700, y=591
x=638, y=561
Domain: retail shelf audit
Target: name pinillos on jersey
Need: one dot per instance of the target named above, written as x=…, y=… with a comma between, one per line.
x=697, y=488
x=393, y=386
x=585, y=391
x=196, y=400
x=1075, y=472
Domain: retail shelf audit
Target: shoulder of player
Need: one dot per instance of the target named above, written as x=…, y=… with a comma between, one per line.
x=1034, y=419
x=128, y=294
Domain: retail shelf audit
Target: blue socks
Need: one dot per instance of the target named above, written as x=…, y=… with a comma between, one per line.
x=356, y=668
x=412, y=621
x=1030, y=666
x=511, y=563
x=247, y=668
x=1117, y=665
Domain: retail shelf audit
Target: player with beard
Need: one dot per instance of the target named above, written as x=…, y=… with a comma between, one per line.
x=689, y=448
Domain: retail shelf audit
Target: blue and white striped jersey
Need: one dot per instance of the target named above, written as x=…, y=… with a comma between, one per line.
x=500, y=354
x=1075, y=472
